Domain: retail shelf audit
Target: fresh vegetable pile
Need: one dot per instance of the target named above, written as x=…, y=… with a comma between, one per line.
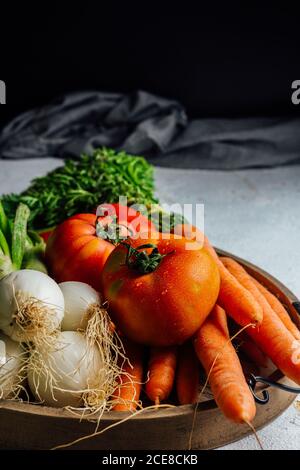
x=128, y=315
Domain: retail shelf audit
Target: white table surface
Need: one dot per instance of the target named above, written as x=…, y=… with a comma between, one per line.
x=254, y=214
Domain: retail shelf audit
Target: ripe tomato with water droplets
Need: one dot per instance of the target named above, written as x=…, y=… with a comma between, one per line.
x=160, y=293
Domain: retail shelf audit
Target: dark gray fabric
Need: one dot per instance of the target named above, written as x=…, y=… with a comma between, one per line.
x=149, y=125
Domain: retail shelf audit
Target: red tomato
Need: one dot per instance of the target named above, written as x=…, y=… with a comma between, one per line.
x=77, y=250
x=132, y=222
x=46, y=234
x=160, y=296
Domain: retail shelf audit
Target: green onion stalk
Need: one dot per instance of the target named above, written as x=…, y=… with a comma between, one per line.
x=19, y=248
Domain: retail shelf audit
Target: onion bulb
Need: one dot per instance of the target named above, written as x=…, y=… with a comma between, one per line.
x=81, y=300
x=70, y=374
x=79, y=367
x=12, y=364
x=31, y=305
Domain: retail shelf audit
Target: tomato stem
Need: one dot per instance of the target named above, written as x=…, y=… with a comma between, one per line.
x=140, y=260
x=109, y=229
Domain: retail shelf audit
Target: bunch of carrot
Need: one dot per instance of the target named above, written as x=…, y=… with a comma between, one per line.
x=165, y=368
x=267, y=332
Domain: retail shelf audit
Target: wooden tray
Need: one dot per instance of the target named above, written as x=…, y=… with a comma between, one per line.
x=25, y=426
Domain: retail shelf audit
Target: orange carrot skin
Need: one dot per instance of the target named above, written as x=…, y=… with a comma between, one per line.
x=229, y=387
x=129, y=392
x=233, y=297
x=279, y=309
x=238, y=302
x=272, y=337
x=187, y=375
x=162, y=367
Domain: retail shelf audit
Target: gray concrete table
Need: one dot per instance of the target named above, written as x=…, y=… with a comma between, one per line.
x=254, y=214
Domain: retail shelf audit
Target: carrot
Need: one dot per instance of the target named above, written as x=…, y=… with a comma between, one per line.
x=272, y=337
x=129, y=390
x=233, y=297
x=238, y=302
x=162, y=366
x=279, y=309
x=187, y=375
x=221, y=363
x=251, y=350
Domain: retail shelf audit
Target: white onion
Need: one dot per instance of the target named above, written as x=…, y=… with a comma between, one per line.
x=30, y=303
x=80, y=299
x=62, y=376
x=12, y=360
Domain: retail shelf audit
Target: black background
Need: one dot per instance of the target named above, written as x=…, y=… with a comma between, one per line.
x=217, y=61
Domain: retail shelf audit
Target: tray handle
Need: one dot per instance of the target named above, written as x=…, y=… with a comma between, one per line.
x=254, y=379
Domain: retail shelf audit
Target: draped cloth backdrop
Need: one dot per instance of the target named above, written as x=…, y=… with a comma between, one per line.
x=149, y=125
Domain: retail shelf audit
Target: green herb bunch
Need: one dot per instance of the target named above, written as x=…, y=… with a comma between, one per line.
x=81, y=185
